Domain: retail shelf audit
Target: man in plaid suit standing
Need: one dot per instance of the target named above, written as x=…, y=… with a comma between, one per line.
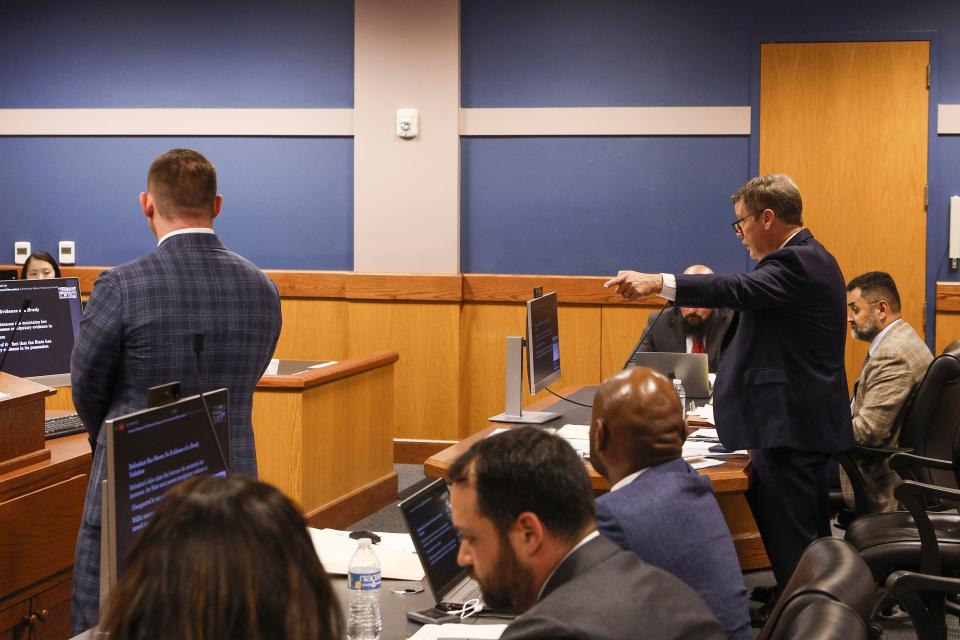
x=895, y=365
x=138, y=331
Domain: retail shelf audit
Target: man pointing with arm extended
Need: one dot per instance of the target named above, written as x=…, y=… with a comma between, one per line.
x=781, y=389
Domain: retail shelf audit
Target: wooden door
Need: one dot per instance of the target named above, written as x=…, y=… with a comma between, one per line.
x=848, y=121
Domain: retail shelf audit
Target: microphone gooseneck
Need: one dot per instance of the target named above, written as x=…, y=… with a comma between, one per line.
x=197, y=350
x=643, y=336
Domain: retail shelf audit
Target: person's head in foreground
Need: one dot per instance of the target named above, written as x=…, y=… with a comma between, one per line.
x=224, y=558
x=521, y=500
x=40, y=266
x=637, y=423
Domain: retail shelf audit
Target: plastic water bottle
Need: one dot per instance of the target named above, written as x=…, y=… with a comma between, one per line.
x=682, y=393
x=363, y=582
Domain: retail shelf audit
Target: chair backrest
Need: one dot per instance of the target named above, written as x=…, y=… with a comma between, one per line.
x=933, y=420
x=814, y=616
x=829, y=570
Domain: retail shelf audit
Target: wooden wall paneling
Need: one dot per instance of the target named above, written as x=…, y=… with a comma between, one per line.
x=579, y=348
x=427, y=337
x=277, y=430
x=484, y=328
x=342, y=459
x=948, y=329
x=62, y=400
x=620, y=329
x=314, y=329
x=870, y=100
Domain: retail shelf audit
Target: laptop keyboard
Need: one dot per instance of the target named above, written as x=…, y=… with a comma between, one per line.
x=468, y=590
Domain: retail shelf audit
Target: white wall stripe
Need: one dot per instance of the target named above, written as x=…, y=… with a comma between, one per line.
x=176, y=122
x=948, y=118
x=606, y=121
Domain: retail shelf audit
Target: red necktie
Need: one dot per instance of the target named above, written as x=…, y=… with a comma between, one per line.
x=697, y=346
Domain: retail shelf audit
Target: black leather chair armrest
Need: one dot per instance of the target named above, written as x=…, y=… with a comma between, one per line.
x=861, y=502
x=901, y=463
x=863, y=449
x=928, y=623
x=913, y=488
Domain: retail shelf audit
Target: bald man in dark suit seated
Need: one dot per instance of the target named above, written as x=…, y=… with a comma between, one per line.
x=688, y=329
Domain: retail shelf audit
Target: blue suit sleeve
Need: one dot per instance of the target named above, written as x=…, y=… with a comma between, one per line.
x=96, y=354
x=778, y=281
x=609, y=526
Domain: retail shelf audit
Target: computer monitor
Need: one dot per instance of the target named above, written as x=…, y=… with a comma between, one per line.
x=543, y=360
x=543, y=342
x=148, y=452
x=42, y=343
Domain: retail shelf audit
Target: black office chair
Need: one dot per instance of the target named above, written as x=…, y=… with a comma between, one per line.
x=822, y=619
x=907, y=586
x=927, y=430
x=926, y=537
x=829, y=571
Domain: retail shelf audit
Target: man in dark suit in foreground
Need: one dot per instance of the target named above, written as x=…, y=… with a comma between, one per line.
x=781, y=389
x=524, y=508
x=688, y=329
x=658, y=506
x=138, y=331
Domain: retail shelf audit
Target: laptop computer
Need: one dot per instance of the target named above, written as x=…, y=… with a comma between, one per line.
x=692, y=368
x=429, y=519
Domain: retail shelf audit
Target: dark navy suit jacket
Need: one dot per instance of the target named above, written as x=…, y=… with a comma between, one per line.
x=669, y=517
x=781, y=382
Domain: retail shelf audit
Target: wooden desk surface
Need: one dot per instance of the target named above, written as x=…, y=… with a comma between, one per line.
x=730, y=477
x=331, y=373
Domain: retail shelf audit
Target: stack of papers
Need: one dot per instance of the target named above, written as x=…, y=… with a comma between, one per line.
x=698, y=446
x=459, y=631
x=578, y=435
x=395, y=551
x=704, y=413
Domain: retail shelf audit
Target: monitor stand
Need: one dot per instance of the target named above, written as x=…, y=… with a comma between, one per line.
x=513, y=389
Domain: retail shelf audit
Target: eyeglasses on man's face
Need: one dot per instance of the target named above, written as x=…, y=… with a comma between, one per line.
x=738, y=225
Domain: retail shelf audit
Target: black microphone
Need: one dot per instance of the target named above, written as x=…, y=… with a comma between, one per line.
x=643, y=336
x=197, y=350
x=23, y=307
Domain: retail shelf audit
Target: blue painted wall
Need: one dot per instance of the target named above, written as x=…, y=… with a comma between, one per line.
x=583, y=206
x=288, y=201
x=542, y=53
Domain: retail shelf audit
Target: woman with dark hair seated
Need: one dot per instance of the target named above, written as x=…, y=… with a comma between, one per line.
x=40, y=266
x=224, y=558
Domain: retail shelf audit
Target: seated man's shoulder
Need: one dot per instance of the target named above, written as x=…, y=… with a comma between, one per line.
x=636, y=593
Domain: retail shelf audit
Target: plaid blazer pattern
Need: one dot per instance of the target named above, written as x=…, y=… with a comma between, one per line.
x=137, y=332
x=886, y=381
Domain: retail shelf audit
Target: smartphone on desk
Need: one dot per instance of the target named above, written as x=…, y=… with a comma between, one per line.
x=432, y=615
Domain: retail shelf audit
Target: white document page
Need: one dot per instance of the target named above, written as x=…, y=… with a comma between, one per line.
x=398, y=559
x=459, y=632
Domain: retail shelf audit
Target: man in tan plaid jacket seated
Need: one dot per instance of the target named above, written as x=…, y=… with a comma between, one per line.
x=895, y=365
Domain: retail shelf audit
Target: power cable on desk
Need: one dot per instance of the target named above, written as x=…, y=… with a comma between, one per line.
x=588, y=406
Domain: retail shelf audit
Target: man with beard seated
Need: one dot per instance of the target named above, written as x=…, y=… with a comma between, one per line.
x=524, y=508
x=688, y=329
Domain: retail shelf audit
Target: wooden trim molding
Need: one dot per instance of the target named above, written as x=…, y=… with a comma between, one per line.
x=177, y=122
x=430, y=288
x=356, y=505
x=467, y=287
x=409, y=451
x=606, y=121
x=479, y=287
x=334, y=372
x=948, y=296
